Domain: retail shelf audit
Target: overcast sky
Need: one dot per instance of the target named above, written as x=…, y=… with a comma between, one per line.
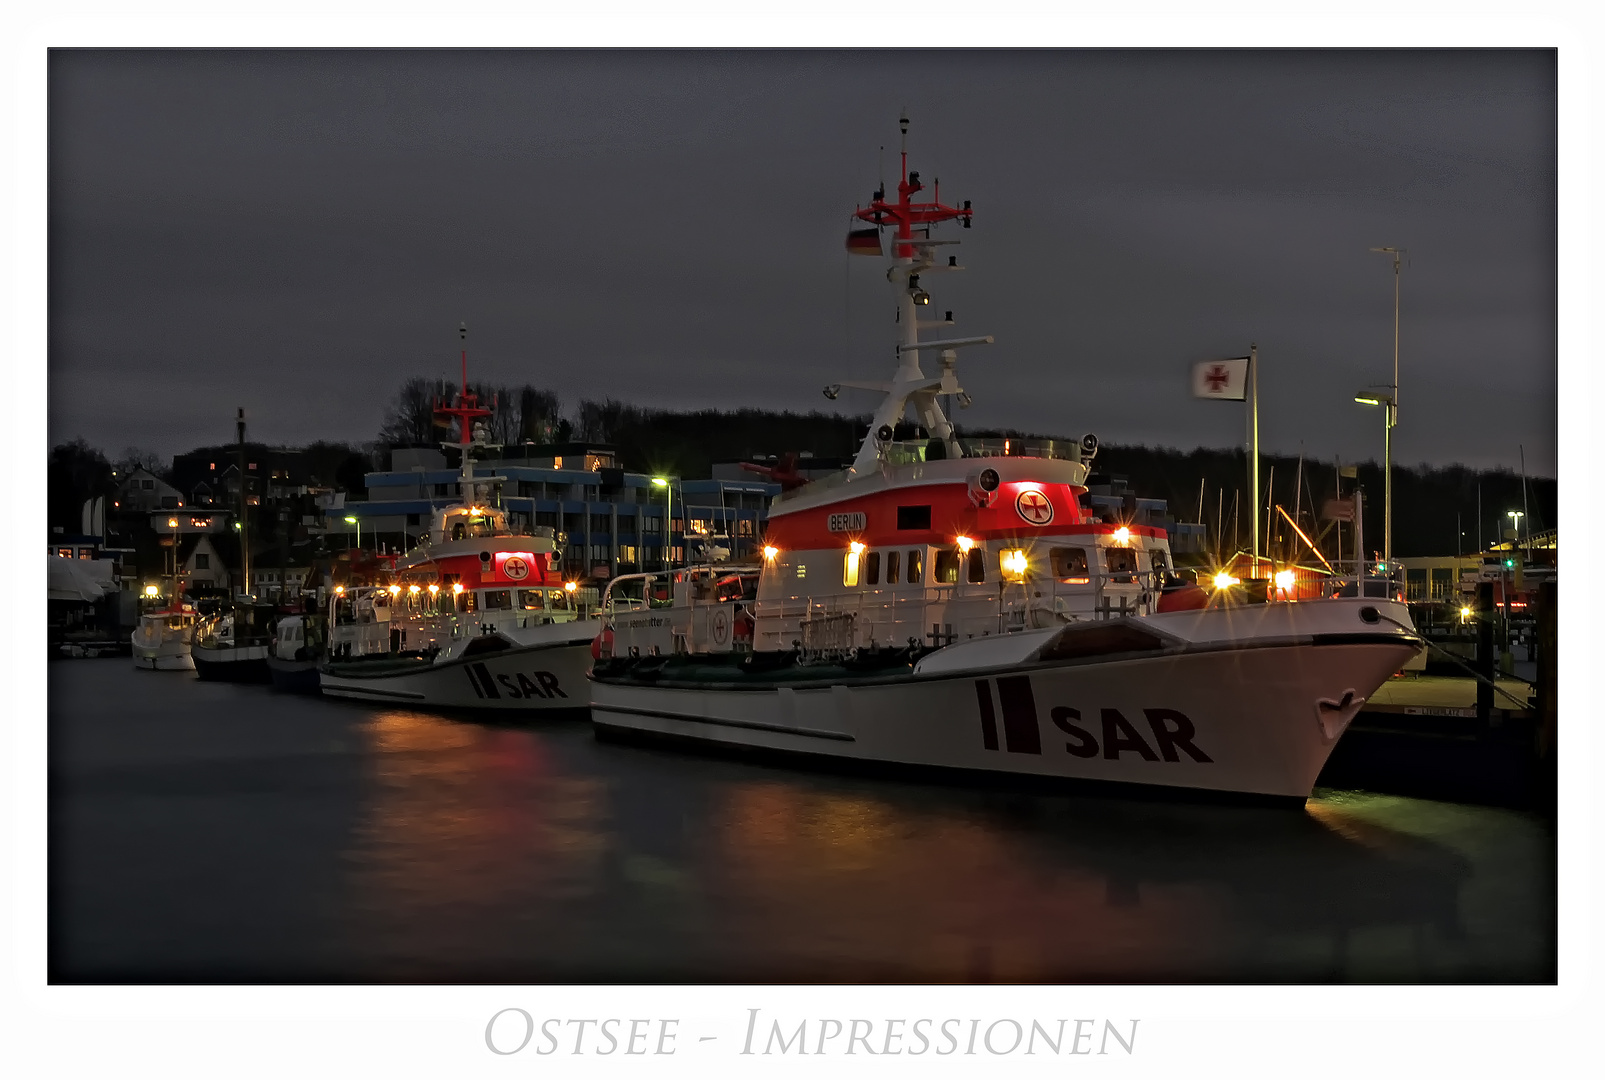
x=298, y=233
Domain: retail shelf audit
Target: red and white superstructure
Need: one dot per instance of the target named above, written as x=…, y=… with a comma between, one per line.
x=951, y=603
x=477, y=615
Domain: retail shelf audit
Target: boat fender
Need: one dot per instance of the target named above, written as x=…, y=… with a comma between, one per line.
x=602, y=645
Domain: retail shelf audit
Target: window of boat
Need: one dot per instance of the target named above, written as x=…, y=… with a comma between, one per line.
x=1158, y=561
x=913, y=517
x=892, y=565
x=531, y=599
x=498, y=599
x=465, y=602
x=872, y=568
x=1121, y=561
x=916, y=566
x=1069, y=564
x=947, y=566
x=977, y=568
x=850, y=568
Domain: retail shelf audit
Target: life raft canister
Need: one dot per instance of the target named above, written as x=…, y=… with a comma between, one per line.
x=741, y=628
x=1183, y=598
x=602, y=645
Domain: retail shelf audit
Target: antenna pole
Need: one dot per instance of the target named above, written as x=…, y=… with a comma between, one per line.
x=245, y=529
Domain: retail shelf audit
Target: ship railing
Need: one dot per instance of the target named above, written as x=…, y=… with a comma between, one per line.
x=943, y=613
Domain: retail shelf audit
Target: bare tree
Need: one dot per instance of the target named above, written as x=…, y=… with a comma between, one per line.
x=410, y=419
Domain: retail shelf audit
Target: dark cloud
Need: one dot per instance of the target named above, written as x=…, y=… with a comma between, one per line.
x=300, y=232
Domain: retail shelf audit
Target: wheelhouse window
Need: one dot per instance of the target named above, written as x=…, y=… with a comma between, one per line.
x=1122, y=563
x=916, y=566
x=465, y=602
x=892, y=566
x=872, y=568
x=977, y=565
x=498, y=600
x=530, y=599
x=947, y=566
x=1070, y=564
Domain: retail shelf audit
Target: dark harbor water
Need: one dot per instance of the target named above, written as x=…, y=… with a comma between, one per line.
x=204, y=832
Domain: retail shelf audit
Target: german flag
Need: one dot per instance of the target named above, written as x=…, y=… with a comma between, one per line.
x=864, y=242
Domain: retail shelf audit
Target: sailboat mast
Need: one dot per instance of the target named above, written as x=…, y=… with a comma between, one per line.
x=245, y=525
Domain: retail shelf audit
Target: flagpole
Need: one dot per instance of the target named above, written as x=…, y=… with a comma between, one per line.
x=1253, y=474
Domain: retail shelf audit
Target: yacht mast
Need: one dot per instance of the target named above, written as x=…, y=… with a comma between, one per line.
x=245, y=525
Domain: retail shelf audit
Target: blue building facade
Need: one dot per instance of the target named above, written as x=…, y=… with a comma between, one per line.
x=613, y=522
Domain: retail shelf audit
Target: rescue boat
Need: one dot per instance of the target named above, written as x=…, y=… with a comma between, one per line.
x=951, y=604
x=477, y=615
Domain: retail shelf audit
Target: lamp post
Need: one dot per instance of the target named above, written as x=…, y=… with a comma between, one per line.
x=1389, y=418
x=1393, y=414
x=1515, y=517
x=667, y=484
x=358, y=523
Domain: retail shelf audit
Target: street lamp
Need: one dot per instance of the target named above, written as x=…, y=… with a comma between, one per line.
x=1393, y=412
x=1390, y=416
x=1515, y=517
x=358, y=523
x=667, y=484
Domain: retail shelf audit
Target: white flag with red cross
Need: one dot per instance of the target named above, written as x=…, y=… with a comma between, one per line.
x=1222, y=380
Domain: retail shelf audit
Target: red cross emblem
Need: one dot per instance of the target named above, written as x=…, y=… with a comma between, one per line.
x=1034, y=507
x=1217, y=378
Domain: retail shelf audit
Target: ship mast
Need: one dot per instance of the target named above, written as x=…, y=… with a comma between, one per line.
x=914, y=256
x=467, y=410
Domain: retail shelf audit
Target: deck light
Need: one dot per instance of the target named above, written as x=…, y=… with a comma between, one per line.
x=570, y=586
x=770, y=552
x=172, y=523
x=1223, y=580
x=433, y=589
x=413, y=589
x=1465, y=613
x=151, y=590
x=1284, y=579
x=855, y=547
x=964, y=543
x=339, y=590
x=395, y=590
x=1122, y=535
x=456, y=588
x=1014, y=563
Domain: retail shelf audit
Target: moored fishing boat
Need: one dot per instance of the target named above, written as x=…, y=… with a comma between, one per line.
x=949, y=603
x=161, y=641
x=295, y=652
x=232, y=646
x=478, y=615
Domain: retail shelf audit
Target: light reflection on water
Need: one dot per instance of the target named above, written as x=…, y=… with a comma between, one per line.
x=538, y=853
x=206, y=832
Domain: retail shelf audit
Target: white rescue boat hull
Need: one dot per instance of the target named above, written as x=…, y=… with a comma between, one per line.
x=1255, y=712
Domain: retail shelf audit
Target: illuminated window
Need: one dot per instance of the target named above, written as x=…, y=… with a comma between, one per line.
x=892, y=566
x=916, y=566
x=872, y=568
x=977, y=559
x=802, y=570
x=850, y=569
x=947, y=566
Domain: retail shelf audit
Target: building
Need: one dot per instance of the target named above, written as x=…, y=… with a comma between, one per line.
x=612, y=522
